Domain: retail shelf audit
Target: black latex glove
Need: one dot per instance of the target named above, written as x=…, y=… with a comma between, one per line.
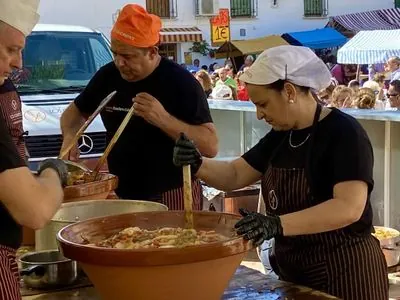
x=257, y=227
x=186, y=153
x=58, y=165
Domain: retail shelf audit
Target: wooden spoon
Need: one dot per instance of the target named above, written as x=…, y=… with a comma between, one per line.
x=86, y=125
x=112, y=143
x=187, y=196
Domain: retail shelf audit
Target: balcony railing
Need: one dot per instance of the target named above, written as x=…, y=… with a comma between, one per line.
x=244, y=8
x=166, y=9
x=315, y=8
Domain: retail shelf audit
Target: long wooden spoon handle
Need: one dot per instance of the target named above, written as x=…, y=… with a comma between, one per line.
x=187, y=196
x=112, y=143
x=89, y=121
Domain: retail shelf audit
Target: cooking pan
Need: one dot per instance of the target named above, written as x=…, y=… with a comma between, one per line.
x=47, y=270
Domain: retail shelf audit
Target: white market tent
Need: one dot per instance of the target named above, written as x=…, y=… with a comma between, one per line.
x=370, y=47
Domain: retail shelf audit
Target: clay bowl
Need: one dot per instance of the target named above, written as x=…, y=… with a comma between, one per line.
x=196, y=273
x=99, y=189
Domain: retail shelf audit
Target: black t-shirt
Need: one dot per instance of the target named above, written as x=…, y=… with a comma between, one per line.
x=340, y=151
x=142, y=157
x=10, y=231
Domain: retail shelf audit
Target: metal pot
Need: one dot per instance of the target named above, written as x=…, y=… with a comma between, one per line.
x=45, y=239
x=392, y=255
x=47, y=270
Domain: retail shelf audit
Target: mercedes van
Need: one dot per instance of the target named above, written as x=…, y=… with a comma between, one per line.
x=58, y=62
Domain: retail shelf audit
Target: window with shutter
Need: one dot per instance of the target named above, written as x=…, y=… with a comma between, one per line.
x=244, y=8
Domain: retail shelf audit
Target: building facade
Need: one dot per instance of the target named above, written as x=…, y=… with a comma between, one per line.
x=186, y=21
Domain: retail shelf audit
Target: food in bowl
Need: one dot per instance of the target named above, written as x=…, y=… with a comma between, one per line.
x=76, y=178
x=382, y=233
x=196, y=273
x=167, y=237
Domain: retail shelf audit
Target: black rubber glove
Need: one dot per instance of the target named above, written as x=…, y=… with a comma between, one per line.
x=257, y=227
x=58, y=165
x=186, y=153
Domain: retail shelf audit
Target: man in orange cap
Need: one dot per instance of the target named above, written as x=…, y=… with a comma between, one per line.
x=168, y=100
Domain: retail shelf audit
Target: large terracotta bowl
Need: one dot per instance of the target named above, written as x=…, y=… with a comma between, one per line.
x=99, y=189
x=196, y=273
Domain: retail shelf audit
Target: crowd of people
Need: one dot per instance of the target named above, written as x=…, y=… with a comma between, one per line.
x=222, y=82
x=380, y=91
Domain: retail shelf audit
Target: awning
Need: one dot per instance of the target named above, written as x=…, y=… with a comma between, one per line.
x=180, y=35
x=383, y=19
x=316, y=39
x=252, y=46
x=370, y=47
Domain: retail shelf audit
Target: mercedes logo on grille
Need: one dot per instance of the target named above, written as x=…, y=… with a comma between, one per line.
x=85, y=144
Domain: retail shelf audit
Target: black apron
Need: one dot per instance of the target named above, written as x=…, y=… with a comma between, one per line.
x=346, y=266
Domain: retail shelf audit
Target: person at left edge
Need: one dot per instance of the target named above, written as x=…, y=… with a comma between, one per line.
x=167, y=99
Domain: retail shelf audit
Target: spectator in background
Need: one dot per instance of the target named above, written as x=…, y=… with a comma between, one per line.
x=229, y=68
x=364, y=99
x=325, y=95
x=242, y=93
x=375, y=68
x=196, y=65
x=213, y=67
x=393, y=94
x=204, y=67
x=247, y=62
x=393, y=66
x=377, y=84
x=225, y=79
x=342, y=97
x=344, y=73
x=354, y=85
x=205, y=81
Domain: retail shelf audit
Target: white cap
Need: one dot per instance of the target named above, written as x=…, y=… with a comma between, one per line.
x=20, y=14
x=298, y=65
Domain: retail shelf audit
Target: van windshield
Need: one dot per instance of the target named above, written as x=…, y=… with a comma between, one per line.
x=60, y=61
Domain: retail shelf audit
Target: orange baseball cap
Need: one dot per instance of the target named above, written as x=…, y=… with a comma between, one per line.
x=136, y=27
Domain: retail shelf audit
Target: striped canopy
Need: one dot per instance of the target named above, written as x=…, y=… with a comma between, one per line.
x=383, y=19
x=370, y=47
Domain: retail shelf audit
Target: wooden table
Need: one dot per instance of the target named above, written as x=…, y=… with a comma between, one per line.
x=245, y=285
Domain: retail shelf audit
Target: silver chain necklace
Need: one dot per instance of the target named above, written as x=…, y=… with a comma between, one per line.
x=299, y=145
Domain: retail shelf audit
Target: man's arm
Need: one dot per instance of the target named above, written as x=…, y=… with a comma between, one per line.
x=31, y=202
x=204, y=135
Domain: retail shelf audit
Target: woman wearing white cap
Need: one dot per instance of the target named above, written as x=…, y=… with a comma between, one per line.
x=315, y=166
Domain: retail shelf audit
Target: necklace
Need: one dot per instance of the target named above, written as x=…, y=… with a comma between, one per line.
x=299, y=145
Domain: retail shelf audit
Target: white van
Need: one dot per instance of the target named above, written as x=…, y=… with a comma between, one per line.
x=59, y=61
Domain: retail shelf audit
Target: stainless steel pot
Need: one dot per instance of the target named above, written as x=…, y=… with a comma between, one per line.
x=392, y=255
x=45, y=239
x=47, y=270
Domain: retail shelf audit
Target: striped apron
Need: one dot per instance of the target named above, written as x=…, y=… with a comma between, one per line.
x=174, y=198
x=348, y=267
x=9, y=275
x=10, y=108
x=338, y=262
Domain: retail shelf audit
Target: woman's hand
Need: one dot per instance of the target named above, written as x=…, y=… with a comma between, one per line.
x=257, y=227
x=186, y=153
